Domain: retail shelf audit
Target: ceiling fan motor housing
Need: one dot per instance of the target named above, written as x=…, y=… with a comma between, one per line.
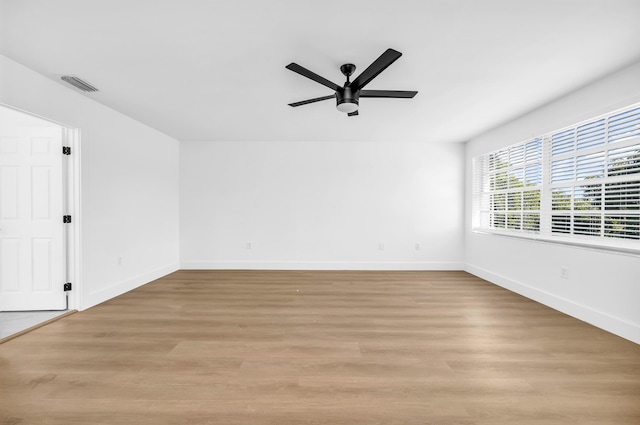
x=347, y=99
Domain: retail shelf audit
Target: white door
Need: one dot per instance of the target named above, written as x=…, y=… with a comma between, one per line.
x=32, y=243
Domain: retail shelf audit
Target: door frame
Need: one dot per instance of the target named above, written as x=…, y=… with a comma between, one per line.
x=73, y=238
x=71, y=188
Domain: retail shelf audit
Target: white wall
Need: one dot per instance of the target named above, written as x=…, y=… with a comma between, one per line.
x=321, y=205
x=129, y=197
x=603, y=288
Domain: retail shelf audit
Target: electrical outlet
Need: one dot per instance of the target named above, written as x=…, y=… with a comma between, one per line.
x=381, y=246
x=417, y=246
x=564, y=272
x=119, y=261
x=248, y=245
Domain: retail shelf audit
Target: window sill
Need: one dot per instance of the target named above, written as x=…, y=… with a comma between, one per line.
x=630, y=247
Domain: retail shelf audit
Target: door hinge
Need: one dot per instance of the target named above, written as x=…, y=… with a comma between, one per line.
x=66, y=219
x=66, y=150
x=67, y=286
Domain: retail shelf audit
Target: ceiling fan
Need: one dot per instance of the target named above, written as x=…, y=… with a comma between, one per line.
x=348, y=96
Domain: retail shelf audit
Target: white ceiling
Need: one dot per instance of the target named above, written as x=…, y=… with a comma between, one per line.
x=215, y=69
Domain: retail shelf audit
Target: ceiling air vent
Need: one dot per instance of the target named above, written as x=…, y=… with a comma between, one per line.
x=78, y=83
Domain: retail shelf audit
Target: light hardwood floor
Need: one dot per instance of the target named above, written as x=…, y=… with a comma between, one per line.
x=301, y=347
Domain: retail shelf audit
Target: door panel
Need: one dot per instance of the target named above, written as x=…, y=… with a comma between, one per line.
x=9, y=256
x=32, y=252
x=9, y=185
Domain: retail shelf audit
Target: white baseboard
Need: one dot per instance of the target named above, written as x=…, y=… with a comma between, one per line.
x=317, y=265
x=597, y=318
x=119, y=288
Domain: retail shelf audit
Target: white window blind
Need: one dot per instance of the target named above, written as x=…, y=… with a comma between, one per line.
x=580, y=184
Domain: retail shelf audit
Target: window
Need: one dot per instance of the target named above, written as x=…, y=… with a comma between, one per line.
x=580, y=184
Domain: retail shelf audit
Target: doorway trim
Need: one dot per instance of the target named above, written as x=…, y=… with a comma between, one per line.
x=72, y=201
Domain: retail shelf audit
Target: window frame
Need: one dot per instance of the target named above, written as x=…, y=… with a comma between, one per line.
x=567, y=157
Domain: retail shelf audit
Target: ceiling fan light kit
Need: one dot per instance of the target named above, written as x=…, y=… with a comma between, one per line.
x=348, y=96
x=347, y=100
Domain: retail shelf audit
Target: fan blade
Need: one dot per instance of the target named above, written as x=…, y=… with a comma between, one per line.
x=388, y=93
x=352, y=114
x=317, y=99
x=313, y=76
x=379, y=65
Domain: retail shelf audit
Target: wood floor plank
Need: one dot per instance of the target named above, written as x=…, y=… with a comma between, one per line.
x=319, y=347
